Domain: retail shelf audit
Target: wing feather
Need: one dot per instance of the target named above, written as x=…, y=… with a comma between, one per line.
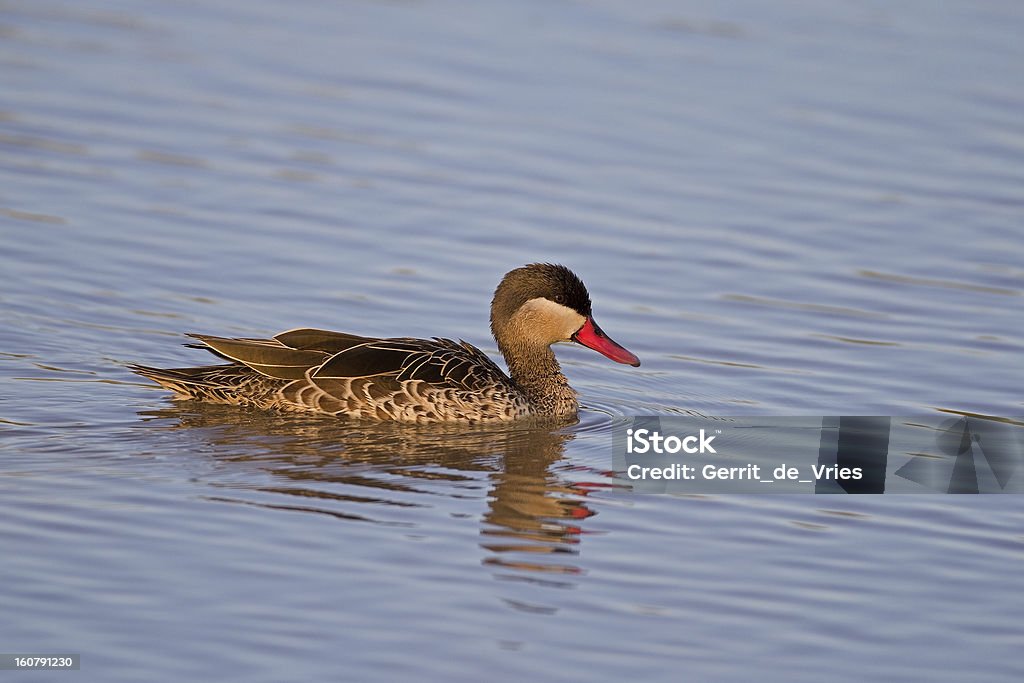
x=361, y=370
x=266, y=356
x=365, y=360
x=439, y=363
x=306, y=339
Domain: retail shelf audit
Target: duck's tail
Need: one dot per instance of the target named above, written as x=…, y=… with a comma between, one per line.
x=234, y=383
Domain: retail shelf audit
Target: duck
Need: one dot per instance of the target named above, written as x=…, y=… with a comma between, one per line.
x=406, y=379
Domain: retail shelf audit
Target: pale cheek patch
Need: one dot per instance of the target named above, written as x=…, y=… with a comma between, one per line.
x=548, y=320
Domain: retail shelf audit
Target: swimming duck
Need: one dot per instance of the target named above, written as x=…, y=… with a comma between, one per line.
x=413, y=380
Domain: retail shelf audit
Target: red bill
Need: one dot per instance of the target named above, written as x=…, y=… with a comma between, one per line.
x=591, y=336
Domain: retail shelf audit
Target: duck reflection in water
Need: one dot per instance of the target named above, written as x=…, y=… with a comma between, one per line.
x=381, y=472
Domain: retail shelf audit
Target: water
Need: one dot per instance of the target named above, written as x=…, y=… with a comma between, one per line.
x=789, y=210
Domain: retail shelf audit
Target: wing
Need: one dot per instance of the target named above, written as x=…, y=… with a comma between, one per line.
x=320, y=340
x=322, y=356
x=266, y=356
x=289, y=355
x=438, y=363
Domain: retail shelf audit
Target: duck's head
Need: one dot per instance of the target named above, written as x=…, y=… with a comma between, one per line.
x=541, y=304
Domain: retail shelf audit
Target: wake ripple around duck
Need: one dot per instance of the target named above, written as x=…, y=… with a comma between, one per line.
x=601, y=412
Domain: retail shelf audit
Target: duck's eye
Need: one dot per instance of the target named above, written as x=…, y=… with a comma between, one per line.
x=559, y=298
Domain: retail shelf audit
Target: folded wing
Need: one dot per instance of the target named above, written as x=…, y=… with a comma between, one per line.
x=323, y=357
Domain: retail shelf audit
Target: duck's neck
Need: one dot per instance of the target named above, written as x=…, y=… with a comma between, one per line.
x=535, y=370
